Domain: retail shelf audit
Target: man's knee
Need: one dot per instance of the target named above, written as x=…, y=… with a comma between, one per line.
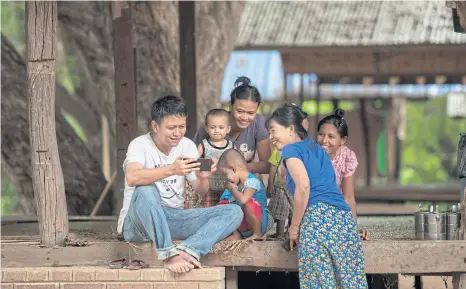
x=148, y=194
x=234, y=212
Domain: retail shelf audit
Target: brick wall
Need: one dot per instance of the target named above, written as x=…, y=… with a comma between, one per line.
x=104, y=278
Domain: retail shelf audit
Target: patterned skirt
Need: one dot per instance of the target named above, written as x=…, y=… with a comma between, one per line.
x=330, y=254
x=281, y=204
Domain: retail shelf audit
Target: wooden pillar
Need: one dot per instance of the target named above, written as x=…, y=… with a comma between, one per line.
x=47, y=174
x=318, y=96
x=459, y=279
x=286, y=86
x=390, y=127
x=125, y=90
x=231, y=278
x=187, y=29
x=366, y=139
x=301, y=90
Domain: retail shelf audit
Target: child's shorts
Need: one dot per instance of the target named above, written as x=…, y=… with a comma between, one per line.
x=245, y=228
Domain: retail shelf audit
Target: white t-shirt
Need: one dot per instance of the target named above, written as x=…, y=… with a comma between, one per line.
x=143, y=150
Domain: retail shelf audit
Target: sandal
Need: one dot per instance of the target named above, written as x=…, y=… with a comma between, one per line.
x=118, y=264
x=136, y=265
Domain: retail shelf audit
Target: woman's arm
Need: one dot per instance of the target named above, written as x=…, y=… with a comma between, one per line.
x=347, y=187
x=301, y=195
x=263, y=151
x=270, y=187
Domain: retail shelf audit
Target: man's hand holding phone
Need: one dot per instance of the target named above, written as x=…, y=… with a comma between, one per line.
x=184, y=166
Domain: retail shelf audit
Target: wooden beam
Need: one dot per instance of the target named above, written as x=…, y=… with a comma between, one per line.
x=397, y=257
x=47, y=174
x=402, y=193
x=187, y=29
x=444, y=60
x=125, y=90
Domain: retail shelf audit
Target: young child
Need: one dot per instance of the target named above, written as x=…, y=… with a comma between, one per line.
x=245, y=190
x=217, y=127
x=332, y=136
x=281, y=201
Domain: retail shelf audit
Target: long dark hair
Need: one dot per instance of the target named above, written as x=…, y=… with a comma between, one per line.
x=244, y=90
x=289, y=115
x=338, y=120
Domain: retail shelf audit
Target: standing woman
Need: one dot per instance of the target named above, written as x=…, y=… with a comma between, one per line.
x=248, y=133
x=330, y=251
x=332, y=136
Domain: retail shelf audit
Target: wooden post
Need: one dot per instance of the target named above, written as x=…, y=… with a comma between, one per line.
x=318, y=96
x=390, y=126
x=459, y=279
x=231, y=278
x=47, y=174
x=187, y=29
x=286, y=86
x=125, y=90
x=366, y=139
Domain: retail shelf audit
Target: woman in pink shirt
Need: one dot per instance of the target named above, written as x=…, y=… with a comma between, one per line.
x=332, y=136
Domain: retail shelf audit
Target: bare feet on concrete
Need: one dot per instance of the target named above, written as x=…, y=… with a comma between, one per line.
x=190, y=259
x=177, y=264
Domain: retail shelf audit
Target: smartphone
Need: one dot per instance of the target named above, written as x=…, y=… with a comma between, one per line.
x=206, y=164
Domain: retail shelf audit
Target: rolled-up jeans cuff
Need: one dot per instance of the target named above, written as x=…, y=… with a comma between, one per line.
x=190, y=250
x=165, y=253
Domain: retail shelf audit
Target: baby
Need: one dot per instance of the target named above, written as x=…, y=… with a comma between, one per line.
x=245, y=190
x=217, y=127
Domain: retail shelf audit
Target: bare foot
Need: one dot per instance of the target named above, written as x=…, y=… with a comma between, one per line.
x=177, y=264
x=254, y=237
x=235, y=236
x=190, y=259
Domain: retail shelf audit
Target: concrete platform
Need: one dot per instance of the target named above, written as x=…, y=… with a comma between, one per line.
x=398, y=257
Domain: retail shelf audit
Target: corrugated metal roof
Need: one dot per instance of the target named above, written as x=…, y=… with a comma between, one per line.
x=346, y=23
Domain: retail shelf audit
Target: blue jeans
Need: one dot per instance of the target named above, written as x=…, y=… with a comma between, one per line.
x=148, y=220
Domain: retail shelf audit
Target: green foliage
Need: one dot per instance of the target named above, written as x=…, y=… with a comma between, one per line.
x=8, y=198
x=13, y=22
x=430, y=146
x=76, y=126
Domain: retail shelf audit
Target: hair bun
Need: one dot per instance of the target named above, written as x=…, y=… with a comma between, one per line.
x=242, y=81
x=340, y=112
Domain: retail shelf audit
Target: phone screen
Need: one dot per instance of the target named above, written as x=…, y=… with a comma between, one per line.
x=206, y=164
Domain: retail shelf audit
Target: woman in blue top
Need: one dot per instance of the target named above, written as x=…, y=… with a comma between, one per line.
x=330, y=251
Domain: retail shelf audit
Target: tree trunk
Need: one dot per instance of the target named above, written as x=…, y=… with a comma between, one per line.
x=83, y=178
x=47, y=175
x=157, y=41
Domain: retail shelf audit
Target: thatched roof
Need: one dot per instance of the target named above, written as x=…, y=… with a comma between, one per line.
x=272, y=24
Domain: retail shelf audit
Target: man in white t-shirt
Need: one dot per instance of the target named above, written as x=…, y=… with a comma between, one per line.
x=156, y=166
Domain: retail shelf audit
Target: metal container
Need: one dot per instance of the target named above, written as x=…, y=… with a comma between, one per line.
x=442, y=226
x=432, y=224
x=419, y=223
x=452, y=221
